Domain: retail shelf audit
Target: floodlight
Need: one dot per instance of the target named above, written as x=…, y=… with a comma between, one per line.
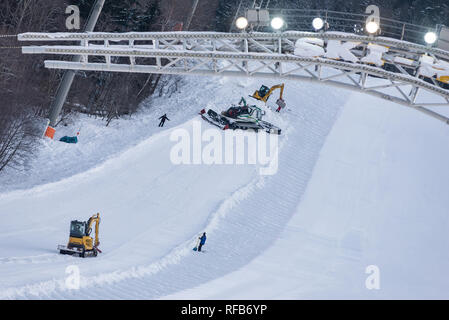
x=430, y=37
x=318, y=23
x=372, y=27
x=277, y=23
x=241, y=23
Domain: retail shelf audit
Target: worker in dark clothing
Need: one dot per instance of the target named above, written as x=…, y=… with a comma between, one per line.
x=163, y=118
x=202, y=241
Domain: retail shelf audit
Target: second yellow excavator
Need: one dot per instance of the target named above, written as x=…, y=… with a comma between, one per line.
x=80, y=241
x=264, y=93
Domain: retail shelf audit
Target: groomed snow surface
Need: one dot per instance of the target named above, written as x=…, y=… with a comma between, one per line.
x=360, y=182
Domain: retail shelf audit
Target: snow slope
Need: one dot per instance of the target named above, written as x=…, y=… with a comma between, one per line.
x=151, y=209
x=371, y=192
x=377, y=196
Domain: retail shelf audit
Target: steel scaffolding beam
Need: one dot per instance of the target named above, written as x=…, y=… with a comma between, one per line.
x=400, y=76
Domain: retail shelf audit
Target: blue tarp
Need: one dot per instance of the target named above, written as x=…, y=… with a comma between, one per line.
x=68, y=139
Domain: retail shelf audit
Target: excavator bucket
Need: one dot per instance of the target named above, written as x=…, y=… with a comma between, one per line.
x=281, y=103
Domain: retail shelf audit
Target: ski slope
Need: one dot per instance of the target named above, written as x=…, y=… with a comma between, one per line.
x=360, y=182
x=377, y=196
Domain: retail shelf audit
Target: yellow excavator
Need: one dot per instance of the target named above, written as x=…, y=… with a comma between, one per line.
x=264, y=93
x=80, y=241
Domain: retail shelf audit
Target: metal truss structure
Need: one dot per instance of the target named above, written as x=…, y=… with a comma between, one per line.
x=397, y=79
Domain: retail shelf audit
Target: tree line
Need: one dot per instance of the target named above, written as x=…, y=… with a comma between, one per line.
x=27, y=88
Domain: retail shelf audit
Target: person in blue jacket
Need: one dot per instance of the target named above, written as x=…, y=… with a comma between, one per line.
x=202, y=241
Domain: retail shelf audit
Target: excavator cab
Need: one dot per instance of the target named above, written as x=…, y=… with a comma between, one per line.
x=80, y=241
x=77, y=229
x=263, y=91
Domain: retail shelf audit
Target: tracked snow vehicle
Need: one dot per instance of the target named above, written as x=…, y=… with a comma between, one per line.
x=240, y=117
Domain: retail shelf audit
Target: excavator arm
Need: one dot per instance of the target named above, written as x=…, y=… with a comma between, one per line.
x=94, y=219
x=264, y=98
x=278, y=86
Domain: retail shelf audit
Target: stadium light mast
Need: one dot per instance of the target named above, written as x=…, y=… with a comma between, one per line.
x=192, y=13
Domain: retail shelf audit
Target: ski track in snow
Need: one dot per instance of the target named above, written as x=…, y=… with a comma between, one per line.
x=241, y=228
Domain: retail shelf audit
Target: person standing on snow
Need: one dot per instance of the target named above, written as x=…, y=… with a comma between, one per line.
x=202, y=241
x=163, y=118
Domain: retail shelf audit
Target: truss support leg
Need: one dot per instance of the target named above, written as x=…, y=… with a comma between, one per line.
x=363, y=80
x=414, y=94
x=67, y=79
